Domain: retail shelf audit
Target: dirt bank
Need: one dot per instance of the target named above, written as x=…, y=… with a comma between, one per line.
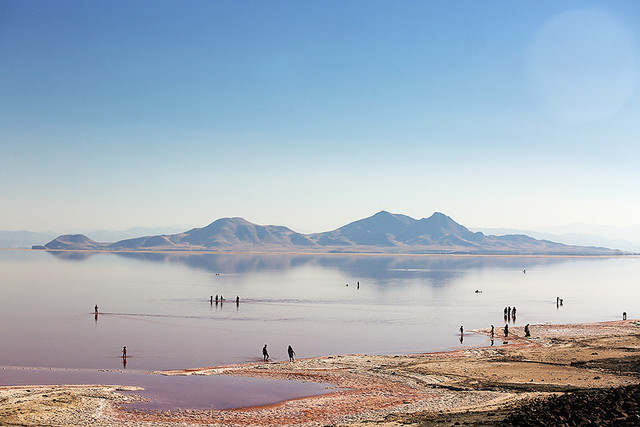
x=477, y=385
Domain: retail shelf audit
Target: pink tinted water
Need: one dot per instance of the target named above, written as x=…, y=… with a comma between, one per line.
x=158, y=304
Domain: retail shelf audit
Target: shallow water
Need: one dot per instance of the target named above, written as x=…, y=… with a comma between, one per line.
x=174, y=392
x=158, y=304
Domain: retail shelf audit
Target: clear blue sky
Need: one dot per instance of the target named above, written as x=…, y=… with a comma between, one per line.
x=313, y=114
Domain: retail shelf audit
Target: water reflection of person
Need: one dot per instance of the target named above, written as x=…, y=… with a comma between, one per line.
x=291, y=353
x=124, y=363
x=265, y=354
x=461, y=338
x=95, y=317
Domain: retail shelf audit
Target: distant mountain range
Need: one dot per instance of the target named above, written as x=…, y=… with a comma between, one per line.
x=26, y=239
x=383, y=232
x=624, y=238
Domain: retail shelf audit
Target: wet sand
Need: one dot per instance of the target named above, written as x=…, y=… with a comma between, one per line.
x=468, y=385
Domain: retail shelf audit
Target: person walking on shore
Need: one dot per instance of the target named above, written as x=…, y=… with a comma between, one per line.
x=291, y=353
x=265, y=354
x=506, y=330
x=526, y=330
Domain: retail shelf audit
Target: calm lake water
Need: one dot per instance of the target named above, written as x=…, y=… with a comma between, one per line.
x=158, y=304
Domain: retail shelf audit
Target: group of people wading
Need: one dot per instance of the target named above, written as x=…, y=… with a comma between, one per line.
x=510, y=312
x=221, y=299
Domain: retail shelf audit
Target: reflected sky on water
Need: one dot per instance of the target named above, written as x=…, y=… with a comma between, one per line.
x=157, y=304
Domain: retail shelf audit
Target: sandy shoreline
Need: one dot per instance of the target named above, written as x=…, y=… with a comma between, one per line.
x=378, y=389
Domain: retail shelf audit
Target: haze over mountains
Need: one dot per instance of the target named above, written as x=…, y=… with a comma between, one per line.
x=623, y=238
x=383, y=232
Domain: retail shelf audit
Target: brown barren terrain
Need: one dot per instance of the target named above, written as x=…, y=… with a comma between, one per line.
x=479, y=386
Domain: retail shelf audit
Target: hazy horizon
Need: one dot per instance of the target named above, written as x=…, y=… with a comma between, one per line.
x=316, y=114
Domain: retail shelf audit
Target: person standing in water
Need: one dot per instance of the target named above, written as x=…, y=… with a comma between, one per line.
x=124, y=352
x=265, y=354
x=492, y=330
x=95, y=309
x=291, y=353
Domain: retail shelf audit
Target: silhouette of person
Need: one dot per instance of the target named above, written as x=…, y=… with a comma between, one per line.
x=237, y=300
x=211, y=299
x=95, y=309
x=513, y=312
x=492, y=331
x=291, y=353
x=624, y=315
x=526, y=330
x=265, y=354
x=506, y=330
x=358, y=285
x=216, y=298
x=124, y=352
x=461, y=330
